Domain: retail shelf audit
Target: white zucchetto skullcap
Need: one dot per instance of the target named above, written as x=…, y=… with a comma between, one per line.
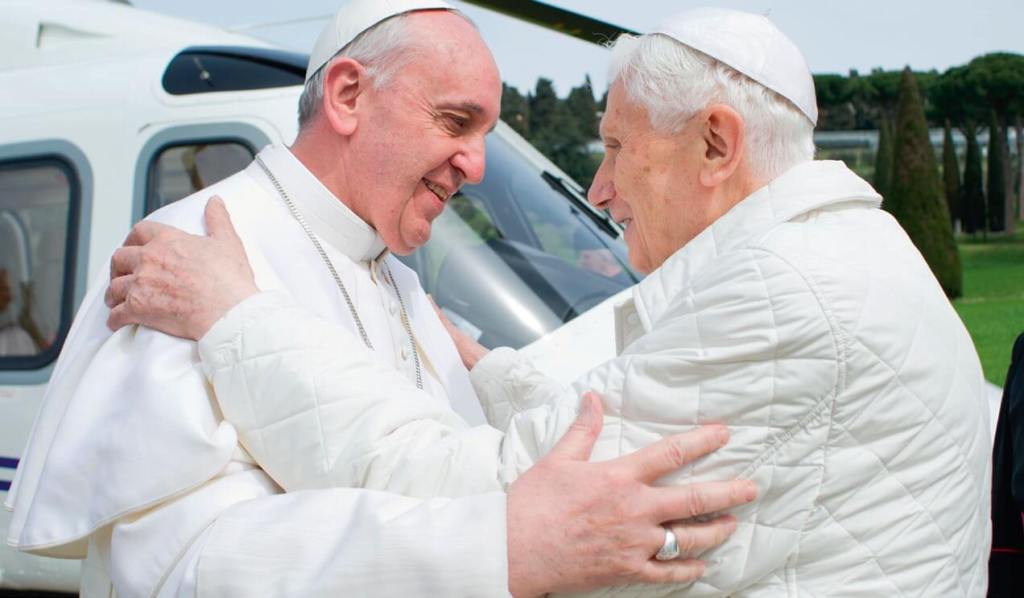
x=356, y=17
x=750, y=44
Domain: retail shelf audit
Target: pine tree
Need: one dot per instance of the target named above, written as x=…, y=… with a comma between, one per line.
x=583, y=109
x=996, y=188
x=973, y=205
x=555, y=132
x=951, y=177
x=543, y=103
x=916, y=197
x=514, y=110
x=883, y=157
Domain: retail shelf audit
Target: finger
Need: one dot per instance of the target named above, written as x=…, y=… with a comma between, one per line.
x=578, y=442
x=668, y=455
x=685, y=502
x=120, y=317
x=218, y=220
x=118, y=290
x=143, y=232
x=124, y=261
x=696, y=537
x=676, y=571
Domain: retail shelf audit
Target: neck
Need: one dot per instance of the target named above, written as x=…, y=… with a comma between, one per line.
x=734, y=190
x=320, y=155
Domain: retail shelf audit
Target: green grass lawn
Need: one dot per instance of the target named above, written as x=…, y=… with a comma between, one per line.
x=992, y=307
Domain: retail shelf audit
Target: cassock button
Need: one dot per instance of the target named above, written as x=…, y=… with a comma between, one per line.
x=393, y=307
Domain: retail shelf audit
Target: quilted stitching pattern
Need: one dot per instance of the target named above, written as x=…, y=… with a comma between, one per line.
x=854, y=395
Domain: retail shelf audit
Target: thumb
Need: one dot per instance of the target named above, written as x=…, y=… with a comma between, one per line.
x=218, y=220
x=578, y=441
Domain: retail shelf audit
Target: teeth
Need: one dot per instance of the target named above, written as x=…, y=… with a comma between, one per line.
x=436, y=190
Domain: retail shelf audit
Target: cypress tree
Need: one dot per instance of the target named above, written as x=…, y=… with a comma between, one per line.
x=883, y=157
x=996, y=188
x=951, y=177
x=973, y=205
x=1018, y=127
x=916, y=197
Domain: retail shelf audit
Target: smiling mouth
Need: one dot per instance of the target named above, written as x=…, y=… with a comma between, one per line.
x=439, y=191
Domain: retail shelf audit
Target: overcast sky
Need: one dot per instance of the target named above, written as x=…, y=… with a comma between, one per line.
x=835, y=36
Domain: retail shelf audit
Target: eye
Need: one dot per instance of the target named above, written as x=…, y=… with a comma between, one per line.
x=456, y=122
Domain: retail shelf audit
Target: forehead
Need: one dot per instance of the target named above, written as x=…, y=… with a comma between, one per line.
x=451, y=61
x=622, y=113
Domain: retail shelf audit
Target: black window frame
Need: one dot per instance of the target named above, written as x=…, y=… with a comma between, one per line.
x=148, y=206
x=67, y=303
x=289, y=64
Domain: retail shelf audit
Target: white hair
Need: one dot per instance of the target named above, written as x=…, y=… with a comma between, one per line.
x=382, y=50
x=674, y=82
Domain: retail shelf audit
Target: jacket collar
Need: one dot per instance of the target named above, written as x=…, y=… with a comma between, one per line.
x=802, y=189
x=327, y=216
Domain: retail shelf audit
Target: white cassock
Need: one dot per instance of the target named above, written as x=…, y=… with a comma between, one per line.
x=131, y=465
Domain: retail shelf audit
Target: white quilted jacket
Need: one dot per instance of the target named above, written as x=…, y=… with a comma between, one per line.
x=804, y=319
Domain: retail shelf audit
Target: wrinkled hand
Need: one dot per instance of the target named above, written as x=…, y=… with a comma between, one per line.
x=575, y=525
x=178, y=283
x=469, y=350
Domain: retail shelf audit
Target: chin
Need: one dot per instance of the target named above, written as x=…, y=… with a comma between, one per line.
x=638, y=259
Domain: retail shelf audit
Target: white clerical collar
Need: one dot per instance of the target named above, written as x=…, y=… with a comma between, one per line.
x=326, y=215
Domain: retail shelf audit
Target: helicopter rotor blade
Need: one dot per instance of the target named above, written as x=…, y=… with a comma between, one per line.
x=557, y=19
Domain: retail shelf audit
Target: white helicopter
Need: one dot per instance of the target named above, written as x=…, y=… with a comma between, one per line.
x=110, y=112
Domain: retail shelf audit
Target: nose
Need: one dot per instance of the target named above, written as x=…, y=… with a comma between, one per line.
x=469, y=160
x=602, y=190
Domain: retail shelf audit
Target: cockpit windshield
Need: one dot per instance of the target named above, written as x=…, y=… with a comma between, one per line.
x=518, y=255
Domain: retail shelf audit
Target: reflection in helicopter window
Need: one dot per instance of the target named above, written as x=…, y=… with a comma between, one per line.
x=35, y=200
x=181, y=170
x=511, y=259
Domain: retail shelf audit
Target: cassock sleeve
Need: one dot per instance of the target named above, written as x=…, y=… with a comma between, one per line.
x=317, y=409
x=340, y=542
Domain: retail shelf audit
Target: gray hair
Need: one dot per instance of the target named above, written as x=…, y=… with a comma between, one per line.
x=674, y=82
x=382, y=49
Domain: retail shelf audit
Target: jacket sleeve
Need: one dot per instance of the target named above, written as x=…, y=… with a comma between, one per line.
x=749, y=345
x=317, y=409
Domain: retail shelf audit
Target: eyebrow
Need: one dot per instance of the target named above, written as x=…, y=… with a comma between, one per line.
x=471, y=107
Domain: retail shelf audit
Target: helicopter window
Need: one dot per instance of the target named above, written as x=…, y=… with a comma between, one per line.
x=38, y=205
x=181, y=170
x=206, y=70
x=512, y=258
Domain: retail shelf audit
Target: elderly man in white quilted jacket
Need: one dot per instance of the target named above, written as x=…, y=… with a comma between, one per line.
x=780, y=300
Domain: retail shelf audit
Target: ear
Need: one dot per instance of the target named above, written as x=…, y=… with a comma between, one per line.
x=724, y=136
x=345, y=87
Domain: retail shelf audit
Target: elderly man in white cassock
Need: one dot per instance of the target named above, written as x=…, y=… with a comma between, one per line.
x=781, y=301
x=131, y=466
